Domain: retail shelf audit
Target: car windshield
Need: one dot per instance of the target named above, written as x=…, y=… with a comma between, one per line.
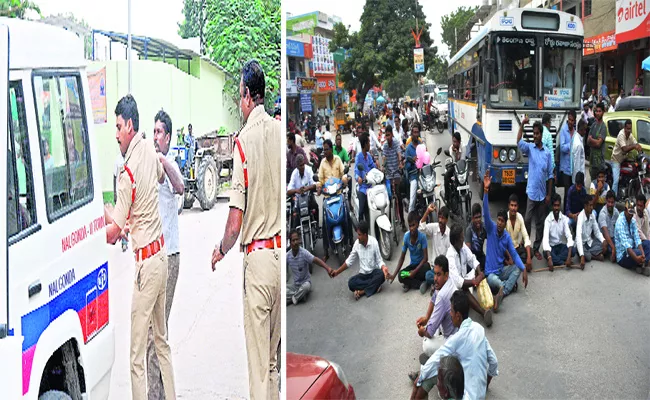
x=441, y=97
x=562, y=57
x=512, y=80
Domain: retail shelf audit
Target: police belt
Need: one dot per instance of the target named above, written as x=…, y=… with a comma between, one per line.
x=149, y=250
x=259, y=244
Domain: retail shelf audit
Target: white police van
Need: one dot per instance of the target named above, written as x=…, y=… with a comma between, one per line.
x=55, y=337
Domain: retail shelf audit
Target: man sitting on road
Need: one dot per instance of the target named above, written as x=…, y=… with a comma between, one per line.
x=301, y=183
x=625, y=143
x=464, y=270
x=413, y=276
x=642, y=218
x=471, y=347
x=438, y=232
x=372, y=270
x=556, y=232
x=607, y=222
x=475, y=234
x=575, y=199
x=587, y=228
x=502, y=279
x=598, y=189
x=516, y=228
x=298, y=262
x=438, y=316
x=450, y=382
x=631, y=253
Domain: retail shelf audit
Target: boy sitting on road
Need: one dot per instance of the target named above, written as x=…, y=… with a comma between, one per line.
x=607, y=221
x=516, y=227
x=415, y=242
x=556, y=232
x=298, y=262
x=575, y=199
x=599, y=188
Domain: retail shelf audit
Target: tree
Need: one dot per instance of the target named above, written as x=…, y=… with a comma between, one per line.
x=398, y=85
x=238, y=31
x=17, y=8
x=438, y=70
x=455, y=29
x=383, y=47
x=193, y=25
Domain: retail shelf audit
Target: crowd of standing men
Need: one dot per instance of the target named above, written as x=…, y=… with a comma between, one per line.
x=146, y=186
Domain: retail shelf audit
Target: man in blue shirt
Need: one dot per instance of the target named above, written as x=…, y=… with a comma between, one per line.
x=630, y=253
x=500, y=277
x=413, y=276
x=364, y=163
x=540, y=182
x=566, y=134
x=411, y=169
x=472, y=348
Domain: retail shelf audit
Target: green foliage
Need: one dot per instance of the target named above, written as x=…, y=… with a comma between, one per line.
x=238, y=31
x=383, y=47
x=455, y=29
x=438, y=70
x=17, y=8
x=398, y=85
x=190, y=26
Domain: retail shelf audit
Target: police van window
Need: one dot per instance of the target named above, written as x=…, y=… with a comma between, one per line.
x=21, y=209
x=63, y=139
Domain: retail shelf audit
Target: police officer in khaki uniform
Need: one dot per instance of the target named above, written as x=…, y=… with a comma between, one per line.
x=137, y=203
x=255, y=203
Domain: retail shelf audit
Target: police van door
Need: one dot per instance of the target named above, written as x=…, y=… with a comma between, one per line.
x=10, y=346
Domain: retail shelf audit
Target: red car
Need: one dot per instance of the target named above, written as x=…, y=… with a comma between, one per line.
x=312, y=377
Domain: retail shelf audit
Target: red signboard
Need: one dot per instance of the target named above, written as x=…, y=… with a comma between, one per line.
x=632, y=20
x=309, y=53
x=326, y=84
x=601, y=43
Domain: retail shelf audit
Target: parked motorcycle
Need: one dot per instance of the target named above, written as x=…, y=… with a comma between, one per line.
x=426, y=194
x=307, y=221
x=459, y=198
x=334, y=214
x=634, y=177
x=378, y=204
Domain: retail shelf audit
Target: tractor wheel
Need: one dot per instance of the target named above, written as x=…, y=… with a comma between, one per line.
x=188, y=200
x=206, y=183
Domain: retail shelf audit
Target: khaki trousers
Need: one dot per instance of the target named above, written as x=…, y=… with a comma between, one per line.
x=148, y=307
x=262, y=321
x=154, y=377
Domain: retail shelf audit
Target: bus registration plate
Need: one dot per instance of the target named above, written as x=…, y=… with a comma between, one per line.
x=508, y=177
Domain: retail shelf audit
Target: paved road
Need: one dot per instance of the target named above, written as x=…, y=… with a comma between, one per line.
x=570, y=334
x=206, y=326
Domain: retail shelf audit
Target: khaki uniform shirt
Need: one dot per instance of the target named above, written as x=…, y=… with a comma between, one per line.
x=621, y=141
x=145, y=224
x=261, y=202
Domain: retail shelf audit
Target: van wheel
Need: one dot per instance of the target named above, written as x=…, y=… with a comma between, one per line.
x=206, y=183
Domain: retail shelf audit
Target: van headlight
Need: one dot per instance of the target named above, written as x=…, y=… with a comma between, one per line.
x=503, y=155
x=512, y=155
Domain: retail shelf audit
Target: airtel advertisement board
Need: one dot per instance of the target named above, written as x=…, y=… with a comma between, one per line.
x=632, y=20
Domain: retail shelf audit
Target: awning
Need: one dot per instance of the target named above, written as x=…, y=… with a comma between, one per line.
x=646, y=64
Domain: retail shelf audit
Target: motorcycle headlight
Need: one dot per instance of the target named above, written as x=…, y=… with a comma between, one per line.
x=462, y=178
x=512, y=155
x=503, y=155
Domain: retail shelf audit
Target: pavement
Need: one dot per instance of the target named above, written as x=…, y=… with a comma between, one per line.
x=206, y=324
x=570, y=334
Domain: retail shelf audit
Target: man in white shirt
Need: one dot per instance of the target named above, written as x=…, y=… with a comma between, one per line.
x=326, y=132
x=464, y=270
x=578, y=151
x=171, y=186
x=556, y=231
x=372, y=270
x=302, y=183
x=586, y=229
x=438, y=232
x=516, y=227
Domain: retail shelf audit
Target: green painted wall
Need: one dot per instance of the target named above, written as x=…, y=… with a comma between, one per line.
x=159, y=85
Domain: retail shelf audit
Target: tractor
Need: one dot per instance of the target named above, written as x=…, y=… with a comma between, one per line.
x=209, y=174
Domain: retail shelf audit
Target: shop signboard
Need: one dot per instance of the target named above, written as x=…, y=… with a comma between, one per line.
x=306, y=84
x=326, y=84
x=418, y=59
x=600, y=43
x=295, y=48
x=305, y=102
x=323, y=60
x=632, y=20
x=303, y=23
x=292, y=88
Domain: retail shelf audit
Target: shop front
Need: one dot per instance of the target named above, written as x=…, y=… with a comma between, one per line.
x=600, y=61
x=633, y=38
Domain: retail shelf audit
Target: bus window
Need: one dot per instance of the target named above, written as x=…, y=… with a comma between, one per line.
x=64, y=143
x=561, y=59
x=21, y=210
x=512, y=82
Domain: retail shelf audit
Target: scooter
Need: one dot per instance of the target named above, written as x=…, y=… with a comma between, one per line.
x=334, y=212
x=378, y=205
x=459, y=198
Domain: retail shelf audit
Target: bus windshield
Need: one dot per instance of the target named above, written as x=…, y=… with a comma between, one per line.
x=513, y=78
x=561, y=79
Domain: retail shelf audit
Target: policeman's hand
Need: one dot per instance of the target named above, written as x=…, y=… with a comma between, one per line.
x=216, y=257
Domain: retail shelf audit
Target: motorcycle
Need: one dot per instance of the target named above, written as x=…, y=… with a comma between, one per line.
x=307, y=221
x=459, y=198
x=334, y=213
x=378, y=205
x=633, y=177
x=426, y=194
x=428, y=122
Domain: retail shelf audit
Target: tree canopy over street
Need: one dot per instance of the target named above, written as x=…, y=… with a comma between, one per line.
x=455, y=29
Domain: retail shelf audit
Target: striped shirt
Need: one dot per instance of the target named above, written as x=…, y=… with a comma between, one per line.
x=392, y=167
x=299, y=265
x=627, y=236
